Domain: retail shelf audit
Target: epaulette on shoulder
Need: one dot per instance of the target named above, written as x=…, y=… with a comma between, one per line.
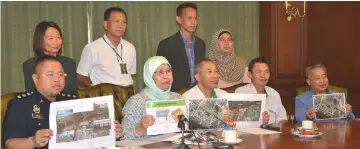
x=68, y=95
x=24, y=95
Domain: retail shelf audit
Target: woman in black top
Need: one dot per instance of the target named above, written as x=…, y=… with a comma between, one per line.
x=48, y=40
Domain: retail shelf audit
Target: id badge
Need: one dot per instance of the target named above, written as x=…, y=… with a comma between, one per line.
x=123, y=68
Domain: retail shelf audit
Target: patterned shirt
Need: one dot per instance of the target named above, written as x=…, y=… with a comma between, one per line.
x=133, y=110
x=189, y=47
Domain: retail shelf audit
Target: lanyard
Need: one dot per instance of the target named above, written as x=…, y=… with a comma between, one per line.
x=117, y=54
x=213, y=94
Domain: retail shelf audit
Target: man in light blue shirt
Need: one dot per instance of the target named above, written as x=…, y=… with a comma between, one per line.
x=318, y=80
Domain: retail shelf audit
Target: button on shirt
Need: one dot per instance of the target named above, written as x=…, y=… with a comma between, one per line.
x=304, y=102
x=273, y=102
x=189, y=47
x=100, y=62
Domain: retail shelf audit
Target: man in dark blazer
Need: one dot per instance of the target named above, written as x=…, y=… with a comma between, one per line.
x=183, y=50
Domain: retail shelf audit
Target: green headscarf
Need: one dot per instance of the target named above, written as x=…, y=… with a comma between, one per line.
x=151, y=89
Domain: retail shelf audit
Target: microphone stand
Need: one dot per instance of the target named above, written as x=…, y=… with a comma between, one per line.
x=181, y=125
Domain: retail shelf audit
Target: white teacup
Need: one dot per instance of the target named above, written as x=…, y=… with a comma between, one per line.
x=306, y=124
x=230, y=136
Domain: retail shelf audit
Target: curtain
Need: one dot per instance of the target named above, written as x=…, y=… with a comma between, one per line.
x=18, y=22
x=148, y=24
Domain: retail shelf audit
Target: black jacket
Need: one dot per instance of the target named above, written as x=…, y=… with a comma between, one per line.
x=173, y=49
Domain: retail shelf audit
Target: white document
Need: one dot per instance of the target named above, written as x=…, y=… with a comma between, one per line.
x=258, y=131
x=247, y=109
x=166, y=114
x=174, y=137
x=141, y=142
x=82, y=123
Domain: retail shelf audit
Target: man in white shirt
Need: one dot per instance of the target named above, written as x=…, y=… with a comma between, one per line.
x=259, y=74
x=207, y=76
x=109, y=59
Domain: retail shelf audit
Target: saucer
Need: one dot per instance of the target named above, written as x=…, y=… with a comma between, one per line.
x=296, y=133
x=231, y=143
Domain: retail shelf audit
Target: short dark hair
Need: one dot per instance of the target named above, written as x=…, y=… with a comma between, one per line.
x=310, y=68
x=108, y=11
x=199, y=65
x=44, y=58
x=182, y=6
x=38, y=39
x=257, y=60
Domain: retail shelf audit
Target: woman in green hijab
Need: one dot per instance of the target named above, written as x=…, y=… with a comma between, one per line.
x=158, y=78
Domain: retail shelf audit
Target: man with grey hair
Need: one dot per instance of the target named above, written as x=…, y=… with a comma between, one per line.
x=318, y=80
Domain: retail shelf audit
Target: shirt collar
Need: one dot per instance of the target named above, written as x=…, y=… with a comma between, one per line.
x=42, y=98
x=255, y=91
x=312, y=91
x=187, y=41
x=213, y=93
x=110, y=43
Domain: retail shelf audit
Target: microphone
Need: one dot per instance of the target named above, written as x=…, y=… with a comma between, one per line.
x=182, y=118
x=181, y=123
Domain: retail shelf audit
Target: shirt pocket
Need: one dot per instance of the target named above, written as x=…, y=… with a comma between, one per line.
x=32, y=126
x=106, y=63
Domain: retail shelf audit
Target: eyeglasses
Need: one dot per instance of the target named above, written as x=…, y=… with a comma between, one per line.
x=161, y=73
x=228, y=40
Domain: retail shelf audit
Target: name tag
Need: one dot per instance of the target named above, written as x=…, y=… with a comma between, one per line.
x=37, y=116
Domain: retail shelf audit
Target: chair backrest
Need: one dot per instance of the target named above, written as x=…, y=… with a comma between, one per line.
x=232, y=89
x=228, y=89
x=183, y=90
x=121, y=95
x=4, y=102
x=335, y=88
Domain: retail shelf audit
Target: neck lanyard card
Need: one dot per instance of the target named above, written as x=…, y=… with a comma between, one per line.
x=123, y=68
x=122, y=64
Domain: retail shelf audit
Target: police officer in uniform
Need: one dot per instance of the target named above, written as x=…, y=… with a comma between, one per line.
x=26, y=122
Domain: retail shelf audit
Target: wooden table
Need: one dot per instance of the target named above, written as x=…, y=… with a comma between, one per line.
x=336, y=135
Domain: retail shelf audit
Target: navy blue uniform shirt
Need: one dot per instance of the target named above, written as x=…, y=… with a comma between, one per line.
x=27, y=113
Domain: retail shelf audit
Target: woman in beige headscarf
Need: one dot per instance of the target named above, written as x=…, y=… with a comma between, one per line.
x=233, y=69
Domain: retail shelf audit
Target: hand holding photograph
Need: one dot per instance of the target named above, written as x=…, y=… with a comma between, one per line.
x=247, y=109
x=80, y=123
x=329, y=106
